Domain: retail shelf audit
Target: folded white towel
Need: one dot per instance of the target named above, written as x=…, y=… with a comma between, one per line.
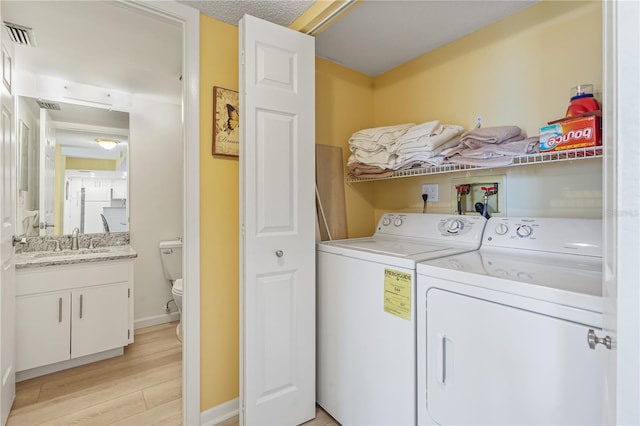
x=382, y=159
x=428, y=142
x=446, y=145
x=382, y=135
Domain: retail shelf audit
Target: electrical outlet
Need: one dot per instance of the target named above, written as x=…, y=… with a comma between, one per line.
x=432, y=190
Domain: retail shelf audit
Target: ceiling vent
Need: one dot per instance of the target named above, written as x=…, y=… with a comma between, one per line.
x=21, y=35
x=48, y=105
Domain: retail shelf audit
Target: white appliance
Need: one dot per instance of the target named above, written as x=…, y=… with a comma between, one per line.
x=366, y=314
x=503, y=331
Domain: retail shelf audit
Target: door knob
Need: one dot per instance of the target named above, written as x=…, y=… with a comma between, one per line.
x=279, y=253
x=594, y=340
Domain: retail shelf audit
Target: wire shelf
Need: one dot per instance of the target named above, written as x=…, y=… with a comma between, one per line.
x=523, y=160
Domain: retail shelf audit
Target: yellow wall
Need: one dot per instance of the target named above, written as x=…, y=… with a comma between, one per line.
x=219, y=232
x=344, y=104
x=74, y=163
x=517, y=71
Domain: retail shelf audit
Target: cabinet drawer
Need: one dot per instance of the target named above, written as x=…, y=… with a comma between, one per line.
x=57, y=278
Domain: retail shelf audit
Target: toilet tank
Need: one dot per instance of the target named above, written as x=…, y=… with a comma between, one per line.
x=171, y=256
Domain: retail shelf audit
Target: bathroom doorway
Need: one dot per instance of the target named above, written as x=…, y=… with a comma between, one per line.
x=140, y=19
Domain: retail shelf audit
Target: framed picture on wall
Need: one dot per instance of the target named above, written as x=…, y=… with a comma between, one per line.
x=226, y=118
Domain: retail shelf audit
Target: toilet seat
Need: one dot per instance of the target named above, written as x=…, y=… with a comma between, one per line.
x=177, y=286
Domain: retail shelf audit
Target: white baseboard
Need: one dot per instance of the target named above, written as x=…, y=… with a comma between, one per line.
x=155, y=320
x=63, y=365
x=219, y=413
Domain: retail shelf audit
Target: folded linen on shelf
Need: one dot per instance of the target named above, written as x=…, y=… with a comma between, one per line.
x=492, y=134
x=380, y=135
x=383, y=159
x=428, y=158
x=473, y=152
x=364, y=171
x=426, y=138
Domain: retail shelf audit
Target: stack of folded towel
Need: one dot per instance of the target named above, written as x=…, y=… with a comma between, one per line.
x=380, y=151
x=491, y=146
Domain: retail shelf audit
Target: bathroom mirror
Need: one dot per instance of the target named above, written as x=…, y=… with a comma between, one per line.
x=74, y=160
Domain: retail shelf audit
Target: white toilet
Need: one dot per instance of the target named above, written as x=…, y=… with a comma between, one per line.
x=171, y=255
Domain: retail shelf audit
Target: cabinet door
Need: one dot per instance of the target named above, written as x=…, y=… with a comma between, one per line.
x=489, y=363
x=100, y=317
x=42, y=329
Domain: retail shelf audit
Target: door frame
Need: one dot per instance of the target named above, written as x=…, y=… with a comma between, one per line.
x=190, y=20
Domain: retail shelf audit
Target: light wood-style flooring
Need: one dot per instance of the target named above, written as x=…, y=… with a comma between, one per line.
x=322, y=419
x=141, y=387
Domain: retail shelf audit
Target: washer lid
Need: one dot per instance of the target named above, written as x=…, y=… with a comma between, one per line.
x=390, y=247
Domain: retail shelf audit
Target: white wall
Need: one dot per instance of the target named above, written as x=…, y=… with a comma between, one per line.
x=155, y=187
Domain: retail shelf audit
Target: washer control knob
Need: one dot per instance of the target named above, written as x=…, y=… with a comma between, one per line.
x=386, y=221
x=502, y=229
x=455, y=226
x=398, y=221
x=524, y=231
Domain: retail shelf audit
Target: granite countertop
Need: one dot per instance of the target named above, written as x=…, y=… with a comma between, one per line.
x=37, y=259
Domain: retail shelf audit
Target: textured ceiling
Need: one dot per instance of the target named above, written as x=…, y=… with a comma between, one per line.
x=281, y=12
x=376, y=35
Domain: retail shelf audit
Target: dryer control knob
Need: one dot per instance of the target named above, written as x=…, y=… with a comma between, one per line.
x=454, y=226
x=399, y=221
x=386, y=221
x=502, y=229
x=524, y=231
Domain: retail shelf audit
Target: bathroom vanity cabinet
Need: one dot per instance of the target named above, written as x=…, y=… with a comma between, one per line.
x=67, y=312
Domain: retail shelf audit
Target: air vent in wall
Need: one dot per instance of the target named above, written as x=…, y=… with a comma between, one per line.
x=48, y=105
x=21, y=35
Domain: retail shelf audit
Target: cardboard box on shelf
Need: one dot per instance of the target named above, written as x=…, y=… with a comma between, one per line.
x=571, y=133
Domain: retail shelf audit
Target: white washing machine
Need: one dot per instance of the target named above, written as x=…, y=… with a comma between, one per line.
x=503, y=331
x=366, y=324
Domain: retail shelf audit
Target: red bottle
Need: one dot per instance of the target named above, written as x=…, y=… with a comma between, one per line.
x=582, y=100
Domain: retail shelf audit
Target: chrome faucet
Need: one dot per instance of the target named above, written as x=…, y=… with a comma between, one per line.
x=93, y=241
x=74, y=239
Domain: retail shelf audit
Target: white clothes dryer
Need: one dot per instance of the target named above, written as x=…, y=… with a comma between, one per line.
x=503, y=331
x=366, y=314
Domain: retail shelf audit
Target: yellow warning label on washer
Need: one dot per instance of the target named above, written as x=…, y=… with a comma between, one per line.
x=397, y=293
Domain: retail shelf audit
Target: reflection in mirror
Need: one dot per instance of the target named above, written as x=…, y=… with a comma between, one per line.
x=77, y=175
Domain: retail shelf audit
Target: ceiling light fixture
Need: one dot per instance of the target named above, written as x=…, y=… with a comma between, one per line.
x=107, y=143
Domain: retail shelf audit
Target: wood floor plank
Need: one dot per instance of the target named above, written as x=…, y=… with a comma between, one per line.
x=78, y=382
x=321, y=419
x=26, y=395
x=104, y=413
x=111, y=390
x=167, y=414
x=163, y=393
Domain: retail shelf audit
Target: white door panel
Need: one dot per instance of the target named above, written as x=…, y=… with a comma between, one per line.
x=621, y=192
x=8, y=189
x=277, y=219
